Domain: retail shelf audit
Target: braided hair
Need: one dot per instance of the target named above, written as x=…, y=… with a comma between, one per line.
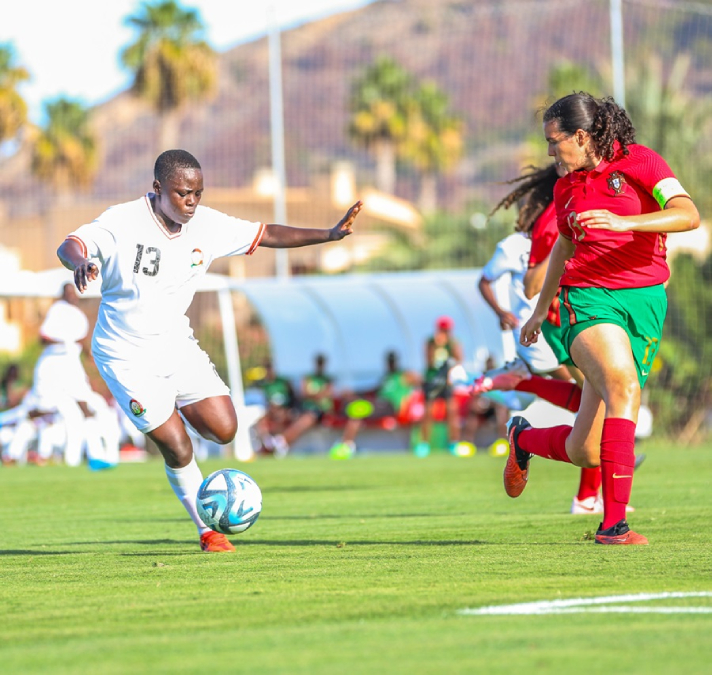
x=604, y=120
x=534, y=192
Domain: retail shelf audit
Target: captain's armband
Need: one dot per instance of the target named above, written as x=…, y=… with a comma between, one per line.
x=666, y=189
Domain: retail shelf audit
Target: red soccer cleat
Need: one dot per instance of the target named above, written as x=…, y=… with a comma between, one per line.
x=516, y=471
x=214, y=542
x=619, y=533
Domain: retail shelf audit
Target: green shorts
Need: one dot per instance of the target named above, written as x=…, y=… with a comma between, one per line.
x=640, y=312
x=554, y=338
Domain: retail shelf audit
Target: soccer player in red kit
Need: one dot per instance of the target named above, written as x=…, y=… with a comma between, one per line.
x=534, y=192
x=614, y=207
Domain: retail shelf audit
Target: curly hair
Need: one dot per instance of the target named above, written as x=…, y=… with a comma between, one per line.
x=170, y=161
x=604, y=120
x=534, y=192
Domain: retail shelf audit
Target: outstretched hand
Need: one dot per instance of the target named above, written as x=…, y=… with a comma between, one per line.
x=345, y=226
x=84, y=273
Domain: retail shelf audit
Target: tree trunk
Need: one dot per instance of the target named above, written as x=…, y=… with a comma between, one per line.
x=386, y=166
x=169, y=126
x=428, y=198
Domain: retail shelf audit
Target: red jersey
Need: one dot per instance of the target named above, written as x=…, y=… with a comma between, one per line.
x=640, y=182
x=544, y=235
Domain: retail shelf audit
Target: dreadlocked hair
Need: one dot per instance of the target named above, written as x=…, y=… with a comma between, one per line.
x=534, y=192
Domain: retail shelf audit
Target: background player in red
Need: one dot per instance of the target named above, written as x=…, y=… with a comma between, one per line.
x=613, y=209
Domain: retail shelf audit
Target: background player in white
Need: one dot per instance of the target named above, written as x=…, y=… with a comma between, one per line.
x=61, y=410
x=512, y=257
x=60, y=378
x=151, y=253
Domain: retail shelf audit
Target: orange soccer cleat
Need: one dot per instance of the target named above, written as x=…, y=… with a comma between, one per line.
x=619, y=533
x=516, y=471
x=214, y=542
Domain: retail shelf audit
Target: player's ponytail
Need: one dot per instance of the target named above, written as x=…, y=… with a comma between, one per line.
x=611, y=124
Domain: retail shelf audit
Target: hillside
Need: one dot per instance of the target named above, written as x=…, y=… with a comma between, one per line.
x=491, y=57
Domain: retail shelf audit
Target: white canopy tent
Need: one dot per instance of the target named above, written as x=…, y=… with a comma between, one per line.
x=354, y=320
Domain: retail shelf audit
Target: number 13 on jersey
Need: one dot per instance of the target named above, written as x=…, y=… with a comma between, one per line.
x=153, y=259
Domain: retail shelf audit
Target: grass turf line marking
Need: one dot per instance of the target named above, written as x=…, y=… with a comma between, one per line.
x=595, y=605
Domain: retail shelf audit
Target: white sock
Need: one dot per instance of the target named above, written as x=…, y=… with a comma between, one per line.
x=185, y=483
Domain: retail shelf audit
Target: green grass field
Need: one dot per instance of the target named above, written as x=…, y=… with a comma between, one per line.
x=359, y=566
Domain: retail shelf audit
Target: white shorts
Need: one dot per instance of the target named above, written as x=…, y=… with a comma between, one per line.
x=148, y=390
x=539, y=356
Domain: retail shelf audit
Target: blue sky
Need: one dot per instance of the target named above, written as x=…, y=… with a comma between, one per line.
x=73, y=49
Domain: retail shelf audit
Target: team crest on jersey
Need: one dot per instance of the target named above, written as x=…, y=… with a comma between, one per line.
x=196, y=257
x=136, y=408
x=616, y=181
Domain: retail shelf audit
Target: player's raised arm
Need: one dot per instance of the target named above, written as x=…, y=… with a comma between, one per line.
x=284, y=236
x=71, y=255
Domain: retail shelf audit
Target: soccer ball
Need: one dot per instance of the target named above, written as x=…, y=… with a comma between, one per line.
x=229, y=501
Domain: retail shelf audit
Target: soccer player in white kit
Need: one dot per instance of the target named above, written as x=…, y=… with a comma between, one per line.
x=151, y=254
x=61, y=383
x=512, y=257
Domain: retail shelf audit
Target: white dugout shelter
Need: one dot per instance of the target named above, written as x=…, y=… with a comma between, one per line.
x=354, y=320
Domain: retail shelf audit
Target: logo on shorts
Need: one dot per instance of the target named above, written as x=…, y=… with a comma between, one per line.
x=136, y=408
x=196, y=257
x=616, y=181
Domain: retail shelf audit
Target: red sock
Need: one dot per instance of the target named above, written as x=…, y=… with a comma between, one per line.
x=549, y=443
x=617, y=465
x=559, y=392
x=590, y=483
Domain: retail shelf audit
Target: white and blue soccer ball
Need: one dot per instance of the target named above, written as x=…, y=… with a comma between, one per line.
x=229, y=501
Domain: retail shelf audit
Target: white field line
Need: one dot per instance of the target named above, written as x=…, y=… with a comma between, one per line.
x=595, y=605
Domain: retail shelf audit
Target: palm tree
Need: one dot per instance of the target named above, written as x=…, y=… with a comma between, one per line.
x=433, y=142
x=13, y=109
x=378, y=101
x=65, y=151
x=170, y=61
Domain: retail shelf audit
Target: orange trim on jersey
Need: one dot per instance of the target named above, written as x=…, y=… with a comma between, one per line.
x=572, y=315
x=257, y=239
x=85, y=251
x=161, y=226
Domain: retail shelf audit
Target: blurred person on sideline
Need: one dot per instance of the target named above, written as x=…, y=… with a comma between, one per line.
x=151, y=254
x=442, y=352
x=11, y=388
x=614, y=206
x=389, y=399
x=315, y=400
x=482, y=410
x=280, y=402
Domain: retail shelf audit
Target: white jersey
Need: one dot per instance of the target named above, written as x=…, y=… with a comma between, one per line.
x=512, y=256
x=59, y=370
x=150, y=275
x=64, y=323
